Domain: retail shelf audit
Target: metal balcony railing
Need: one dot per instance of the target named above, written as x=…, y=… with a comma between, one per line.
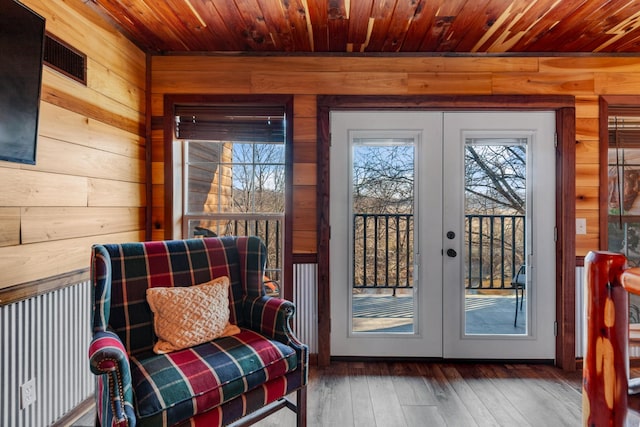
x=268, y=227
x=383, y=255
x=495, y=250
x=383, y=251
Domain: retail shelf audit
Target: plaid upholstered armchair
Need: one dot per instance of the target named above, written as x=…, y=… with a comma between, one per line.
x=248, y=371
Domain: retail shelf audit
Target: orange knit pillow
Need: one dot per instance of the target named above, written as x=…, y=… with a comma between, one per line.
x=191, y=315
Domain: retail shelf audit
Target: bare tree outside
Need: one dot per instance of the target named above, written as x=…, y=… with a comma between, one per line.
x=495, y=207
x=238, y=188
x=495, y=179
x=258, y=177
x=383, y=208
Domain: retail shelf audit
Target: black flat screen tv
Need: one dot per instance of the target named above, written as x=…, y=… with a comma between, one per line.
x=22, y=33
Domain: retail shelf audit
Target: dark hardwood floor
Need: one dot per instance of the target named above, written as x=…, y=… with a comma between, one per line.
x=433, y=394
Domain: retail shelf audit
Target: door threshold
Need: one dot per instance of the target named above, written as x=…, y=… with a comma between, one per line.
x=440, y=360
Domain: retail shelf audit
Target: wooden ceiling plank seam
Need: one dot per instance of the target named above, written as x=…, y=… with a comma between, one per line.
x=571, y=24
x=216, y=36
x=526, y=18
x=622, y=28
x=510, y=36
x=160, y=21
x=186, y=14
x=275, y=20
x=255, y=25
x=338, y=30
x=399, y=26
x=359, y=14
x=420, y=26
x=590, y=41
x=545, y=16
x=310, y=32
x=296, y=19
x=338, y=26
x=218, y=24
x=230, y=13
x=473, y=20
x=363, y=46
x=318, y=11
x=134, y=23
x=186, y=20
x=444, y=15
x=532, y=11
x=382, y=14
x=605, y=27
x=631, y=45
x=453, y=7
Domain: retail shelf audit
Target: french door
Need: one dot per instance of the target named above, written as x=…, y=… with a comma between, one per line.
x=432, y=215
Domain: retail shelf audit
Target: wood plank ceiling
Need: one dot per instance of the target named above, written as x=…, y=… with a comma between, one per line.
x=371, y=26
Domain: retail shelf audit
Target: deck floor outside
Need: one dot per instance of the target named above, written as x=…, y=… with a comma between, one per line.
x=489, y=313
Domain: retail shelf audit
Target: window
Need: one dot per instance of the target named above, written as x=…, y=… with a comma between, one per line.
x=234, y=176
x=623, y=170
x=623, y=192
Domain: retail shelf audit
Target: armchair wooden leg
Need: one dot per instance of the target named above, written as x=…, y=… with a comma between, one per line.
x=301, y=403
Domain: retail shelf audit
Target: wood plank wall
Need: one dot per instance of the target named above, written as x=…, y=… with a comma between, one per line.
x=89, y=181
x=306, y=77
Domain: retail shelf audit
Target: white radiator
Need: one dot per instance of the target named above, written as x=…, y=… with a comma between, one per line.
x=581, y=318
x=45, y=338
x=305, y=296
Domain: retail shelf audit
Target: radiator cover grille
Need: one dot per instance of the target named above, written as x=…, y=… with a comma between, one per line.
x=65, y=59
x=45, y=338
x=305, y=296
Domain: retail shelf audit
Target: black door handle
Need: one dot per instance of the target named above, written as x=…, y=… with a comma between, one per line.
x=452, y=253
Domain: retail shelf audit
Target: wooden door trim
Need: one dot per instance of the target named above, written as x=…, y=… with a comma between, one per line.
x=565, y=196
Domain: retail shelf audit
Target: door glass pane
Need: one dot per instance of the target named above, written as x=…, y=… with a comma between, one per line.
x=382, y=227
x=495, y=203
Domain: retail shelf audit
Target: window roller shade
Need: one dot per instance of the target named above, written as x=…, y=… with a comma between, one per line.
x=225, y=123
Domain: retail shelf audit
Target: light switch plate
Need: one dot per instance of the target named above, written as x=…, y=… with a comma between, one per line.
x=581, y=226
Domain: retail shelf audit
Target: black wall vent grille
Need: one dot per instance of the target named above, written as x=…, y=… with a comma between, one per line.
x=65, y=59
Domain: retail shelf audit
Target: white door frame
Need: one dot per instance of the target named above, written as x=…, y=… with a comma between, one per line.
x=564, y=106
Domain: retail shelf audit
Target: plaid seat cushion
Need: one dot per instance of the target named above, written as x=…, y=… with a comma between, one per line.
x=176, y=386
